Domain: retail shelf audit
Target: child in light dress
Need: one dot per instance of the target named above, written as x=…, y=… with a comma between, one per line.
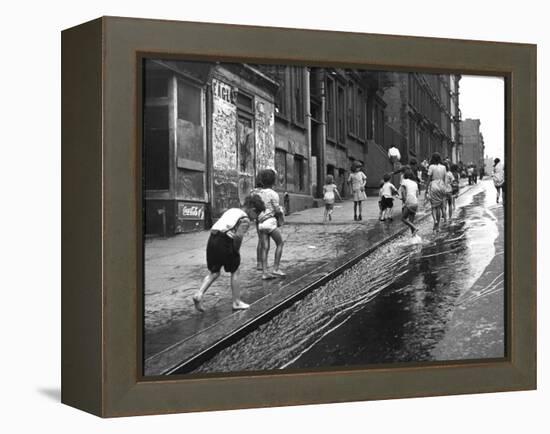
x=357, y=179
x=330, y=193
x=409, y=196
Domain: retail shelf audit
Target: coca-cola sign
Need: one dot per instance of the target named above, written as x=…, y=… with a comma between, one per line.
x=190, y=211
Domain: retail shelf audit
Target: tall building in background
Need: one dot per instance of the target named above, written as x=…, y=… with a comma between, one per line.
x=456, y=116
x=209, y=128
x=473, y=151
x=423, y=115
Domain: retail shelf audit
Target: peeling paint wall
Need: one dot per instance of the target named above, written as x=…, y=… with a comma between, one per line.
x=224, y=141
x=265, y=134
x=224, y=151
x=243, y=141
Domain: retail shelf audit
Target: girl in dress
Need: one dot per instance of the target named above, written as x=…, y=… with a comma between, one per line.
x=449, y=179
x=498, y=177
x=436, y=192
x=357, y=179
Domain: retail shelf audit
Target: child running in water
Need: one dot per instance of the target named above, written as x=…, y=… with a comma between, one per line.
x=409, y=195
x=380, y=199
x=223, y=248
x=330, y=192
x=358, y=180
x=387, y=193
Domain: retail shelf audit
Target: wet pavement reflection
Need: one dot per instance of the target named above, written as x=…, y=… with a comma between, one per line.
x=407, y=301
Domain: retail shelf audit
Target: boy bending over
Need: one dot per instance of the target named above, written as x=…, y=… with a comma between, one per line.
x=223, y=247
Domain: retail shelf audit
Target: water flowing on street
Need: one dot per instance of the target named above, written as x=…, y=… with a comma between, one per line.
x=407, y=301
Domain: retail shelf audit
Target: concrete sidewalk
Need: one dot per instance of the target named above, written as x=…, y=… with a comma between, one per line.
x=175, y=267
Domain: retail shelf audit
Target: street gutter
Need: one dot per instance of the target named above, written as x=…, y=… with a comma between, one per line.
x=193, y=362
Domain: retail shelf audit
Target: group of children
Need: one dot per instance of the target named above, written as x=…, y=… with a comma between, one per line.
x=442, y=188
x=357, y=181
x=408, y=193
x=226, y=235
x=262, y=207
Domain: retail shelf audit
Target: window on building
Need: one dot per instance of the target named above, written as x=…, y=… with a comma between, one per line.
x=419, y=143
x=350, y=112
x=370, y=118
x=280, y=168
x=412, y=136
x=299, y=173
x=189, y=102
x=245, y=102
x=156, y=147
x=314, y=85
x=331, y=110
x=360, y=114
x=190, y=143
x=282, y=96
x=378, y=123
x=341, y=180
x=341, y=114
x=298, y=107
x=245, y=144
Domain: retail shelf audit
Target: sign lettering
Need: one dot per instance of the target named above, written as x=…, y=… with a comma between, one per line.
x=188, y=211
x=224, y=91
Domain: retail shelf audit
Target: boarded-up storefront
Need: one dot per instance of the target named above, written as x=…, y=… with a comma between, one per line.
x=174, y=146
x=242, y=137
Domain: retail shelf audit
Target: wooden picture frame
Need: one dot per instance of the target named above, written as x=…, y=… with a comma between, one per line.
x=101, y=216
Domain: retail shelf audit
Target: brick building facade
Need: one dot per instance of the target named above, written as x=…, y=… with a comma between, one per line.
x=209, y=128
x=473, y=145
x=423, y=115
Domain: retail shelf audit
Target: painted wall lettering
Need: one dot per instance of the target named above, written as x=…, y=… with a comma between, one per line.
x=190, y=211
x=224, y=91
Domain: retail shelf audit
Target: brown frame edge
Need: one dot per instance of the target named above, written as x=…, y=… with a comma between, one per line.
x=102, y=265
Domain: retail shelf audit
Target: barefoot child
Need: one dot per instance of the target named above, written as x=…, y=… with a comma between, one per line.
x=387, y=192
x=223, y=248
x=330, y=192
x=409, y=195
x=256, y=190
x=380, y=200
x=269, y=226
x=358, y=180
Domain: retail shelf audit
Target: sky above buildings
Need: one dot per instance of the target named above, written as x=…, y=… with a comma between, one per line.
x=483, y=98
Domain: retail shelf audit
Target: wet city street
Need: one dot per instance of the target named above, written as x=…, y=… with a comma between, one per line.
x=440, y=298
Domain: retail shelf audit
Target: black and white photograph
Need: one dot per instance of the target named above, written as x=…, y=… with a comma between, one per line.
x=288, y=217
x=301, y=217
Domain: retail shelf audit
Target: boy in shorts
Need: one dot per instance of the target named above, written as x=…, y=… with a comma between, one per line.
x=222, y=249
x=409, y=195
x=387, y=192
